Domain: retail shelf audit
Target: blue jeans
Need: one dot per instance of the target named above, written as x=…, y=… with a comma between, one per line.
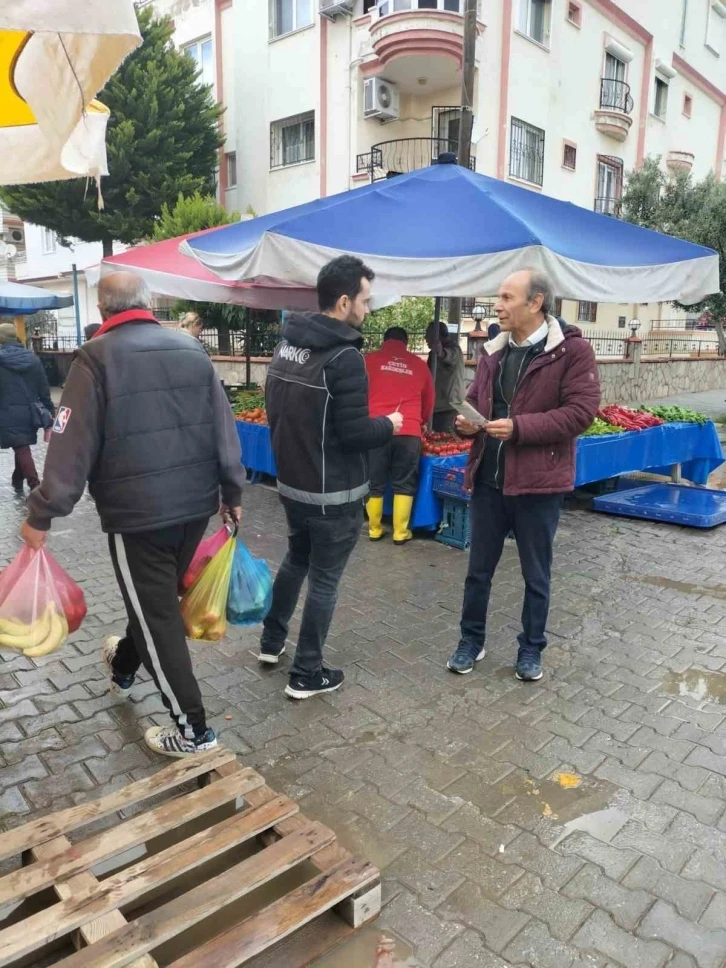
x=534, y=519
x=318, y=548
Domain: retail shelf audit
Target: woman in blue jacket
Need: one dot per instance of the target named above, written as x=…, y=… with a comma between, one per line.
x=25, y=404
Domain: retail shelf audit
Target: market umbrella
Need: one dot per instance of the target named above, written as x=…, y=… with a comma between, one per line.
x=19, y=300
x=55, y=55
x=448, y=231
x=169, y=273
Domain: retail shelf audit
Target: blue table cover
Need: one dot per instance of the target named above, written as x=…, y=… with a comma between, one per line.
x=256, y=447
x=695, y=446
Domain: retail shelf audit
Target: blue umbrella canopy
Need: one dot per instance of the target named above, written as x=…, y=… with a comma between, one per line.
x=19, y=300
x=445, y=230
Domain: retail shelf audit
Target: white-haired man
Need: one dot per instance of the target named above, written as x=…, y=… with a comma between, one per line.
x=145, y=421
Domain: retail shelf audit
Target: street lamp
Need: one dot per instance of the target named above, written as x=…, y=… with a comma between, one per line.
x=634, y=326
x=478, y=313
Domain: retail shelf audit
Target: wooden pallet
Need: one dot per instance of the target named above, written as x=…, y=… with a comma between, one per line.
x=88, y=910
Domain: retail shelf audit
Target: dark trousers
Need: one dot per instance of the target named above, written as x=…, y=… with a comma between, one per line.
x=443, y=421
x=396, y=461
x=24, y=467
x=533, y=518
x=319, y=547
x=149, y=567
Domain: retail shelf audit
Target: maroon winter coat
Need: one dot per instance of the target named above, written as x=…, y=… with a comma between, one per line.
x=557, y=399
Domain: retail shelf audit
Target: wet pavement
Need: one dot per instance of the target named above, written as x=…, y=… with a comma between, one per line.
x=578, y=822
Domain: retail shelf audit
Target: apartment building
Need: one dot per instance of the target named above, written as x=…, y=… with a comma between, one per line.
x=569, y=95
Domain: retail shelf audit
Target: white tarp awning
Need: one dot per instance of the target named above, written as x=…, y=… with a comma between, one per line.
x=55, y=55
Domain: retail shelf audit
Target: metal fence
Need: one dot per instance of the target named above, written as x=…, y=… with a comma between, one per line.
x=373, y=337
x=46, y=342
x=673, y=346
x=607, y=346
x=263, y=338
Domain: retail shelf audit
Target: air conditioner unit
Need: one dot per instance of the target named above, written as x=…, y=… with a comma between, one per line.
x=380, y=99
x=333, y=8
x=14, y=235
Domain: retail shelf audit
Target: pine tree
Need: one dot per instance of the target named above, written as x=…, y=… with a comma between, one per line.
x=162, y=139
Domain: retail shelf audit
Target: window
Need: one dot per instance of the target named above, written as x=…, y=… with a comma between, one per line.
x=622, y=321
x=684, y=16
x=609, y=185
x=201, y=53
x=569, y=156
x=49, y=239
x=231, y=159
x=289, y=15
x=292, y=140
x=526, y=152
x=558, y=307
x=661, y=97
x=587, y=312
x=574, y=14
x=687, y=105
x=445, y=128
x=534, y=20
x=715, y=26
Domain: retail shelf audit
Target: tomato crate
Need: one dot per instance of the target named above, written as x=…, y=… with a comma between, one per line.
x=454, y=529
x=449, y=482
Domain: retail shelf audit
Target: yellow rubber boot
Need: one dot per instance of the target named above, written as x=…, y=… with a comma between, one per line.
x=402, y=507
x=374, y=509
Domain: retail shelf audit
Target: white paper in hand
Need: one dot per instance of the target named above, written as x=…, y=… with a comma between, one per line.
x=469, y=413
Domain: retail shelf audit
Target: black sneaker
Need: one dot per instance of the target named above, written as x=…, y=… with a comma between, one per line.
x=303, y=687
x=529, y=664
x=270, y=654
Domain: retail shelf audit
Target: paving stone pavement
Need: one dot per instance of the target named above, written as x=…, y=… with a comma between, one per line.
x=450, y=784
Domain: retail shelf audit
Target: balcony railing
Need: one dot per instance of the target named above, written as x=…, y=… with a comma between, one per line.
x=609, y=206
x=615, y=96
x=384, y=7
x=682, y=323
x=402, y=155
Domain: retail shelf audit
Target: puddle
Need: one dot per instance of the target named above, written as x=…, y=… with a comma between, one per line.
x=697, y=684
x=601, y=824
x=372, y=947
x=689, y=588
x=561, y=798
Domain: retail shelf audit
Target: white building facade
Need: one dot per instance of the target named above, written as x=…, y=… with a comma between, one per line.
x=569, y=95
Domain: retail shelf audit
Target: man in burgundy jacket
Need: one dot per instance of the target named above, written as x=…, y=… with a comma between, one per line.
x=538, y=385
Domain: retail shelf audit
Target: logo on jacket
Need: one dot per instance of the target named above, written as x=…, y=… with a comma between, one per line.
x=61, y=420
x=294, y=354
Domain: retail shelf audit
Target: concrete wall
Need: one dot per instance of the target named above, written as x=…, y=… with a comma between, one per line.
x=624, y=382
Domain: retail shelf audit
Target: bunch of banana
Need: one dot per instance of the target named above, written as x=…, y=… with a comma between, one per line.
x=39, y=638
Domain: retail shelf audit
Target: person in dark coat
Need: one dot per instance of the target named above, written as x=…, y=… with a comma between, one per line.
x=23, y=386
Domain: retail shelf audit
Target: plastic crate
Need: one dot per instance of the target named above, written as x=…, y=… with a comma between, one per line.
x=449, y=482
x=454, y=529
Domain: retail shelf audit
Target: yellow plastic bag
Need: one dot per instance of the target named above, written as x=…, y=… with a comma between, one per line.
x=204, y=606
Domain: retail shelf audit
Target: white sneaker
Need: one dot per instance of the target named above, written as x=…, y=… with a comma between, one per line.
x=168, y=741
x=120, y=685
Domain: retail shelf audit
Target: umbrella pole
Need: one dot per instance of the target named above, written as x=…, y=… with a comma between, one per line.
x=77, y=308
x=248, y=361
x=434, y=358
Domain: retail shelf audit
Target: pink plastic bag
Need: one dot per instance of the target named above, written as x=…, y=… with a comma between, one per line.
x=206, y=550
x=39, y=604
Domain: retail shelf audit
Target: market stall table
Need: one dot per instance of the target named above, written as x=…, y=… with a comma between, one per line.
x=696, y=448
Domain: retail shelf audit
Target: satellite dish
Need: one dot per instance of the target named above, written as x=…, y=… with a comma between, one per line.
x=11, y=251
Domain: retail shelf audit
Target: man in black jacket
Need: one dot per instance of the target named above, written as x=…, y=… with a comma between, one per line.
x=316, y=395
x=145, y=421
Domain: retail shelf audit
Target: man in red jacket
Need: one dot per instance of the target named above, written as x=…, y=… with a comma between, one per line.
x=537, y=384
x=397, y=380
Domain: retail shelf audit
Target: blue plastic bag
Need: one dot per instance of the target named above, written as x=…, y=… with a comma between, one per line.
x=250, y=588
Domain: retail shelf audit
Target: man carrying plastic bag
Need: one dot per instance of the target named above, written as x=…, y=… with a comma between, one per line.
x=145, y=421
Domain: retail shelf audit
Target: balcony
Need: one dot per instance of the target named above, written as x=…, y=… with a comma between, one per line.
x=680, y=160
x=418, y=43
x=401, y=155
x=609, y=206
x=616, y=107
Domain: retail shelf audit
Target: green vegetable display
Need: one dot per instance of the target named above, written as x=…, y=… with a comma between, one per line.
x=600, y=427
x=676, y=414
